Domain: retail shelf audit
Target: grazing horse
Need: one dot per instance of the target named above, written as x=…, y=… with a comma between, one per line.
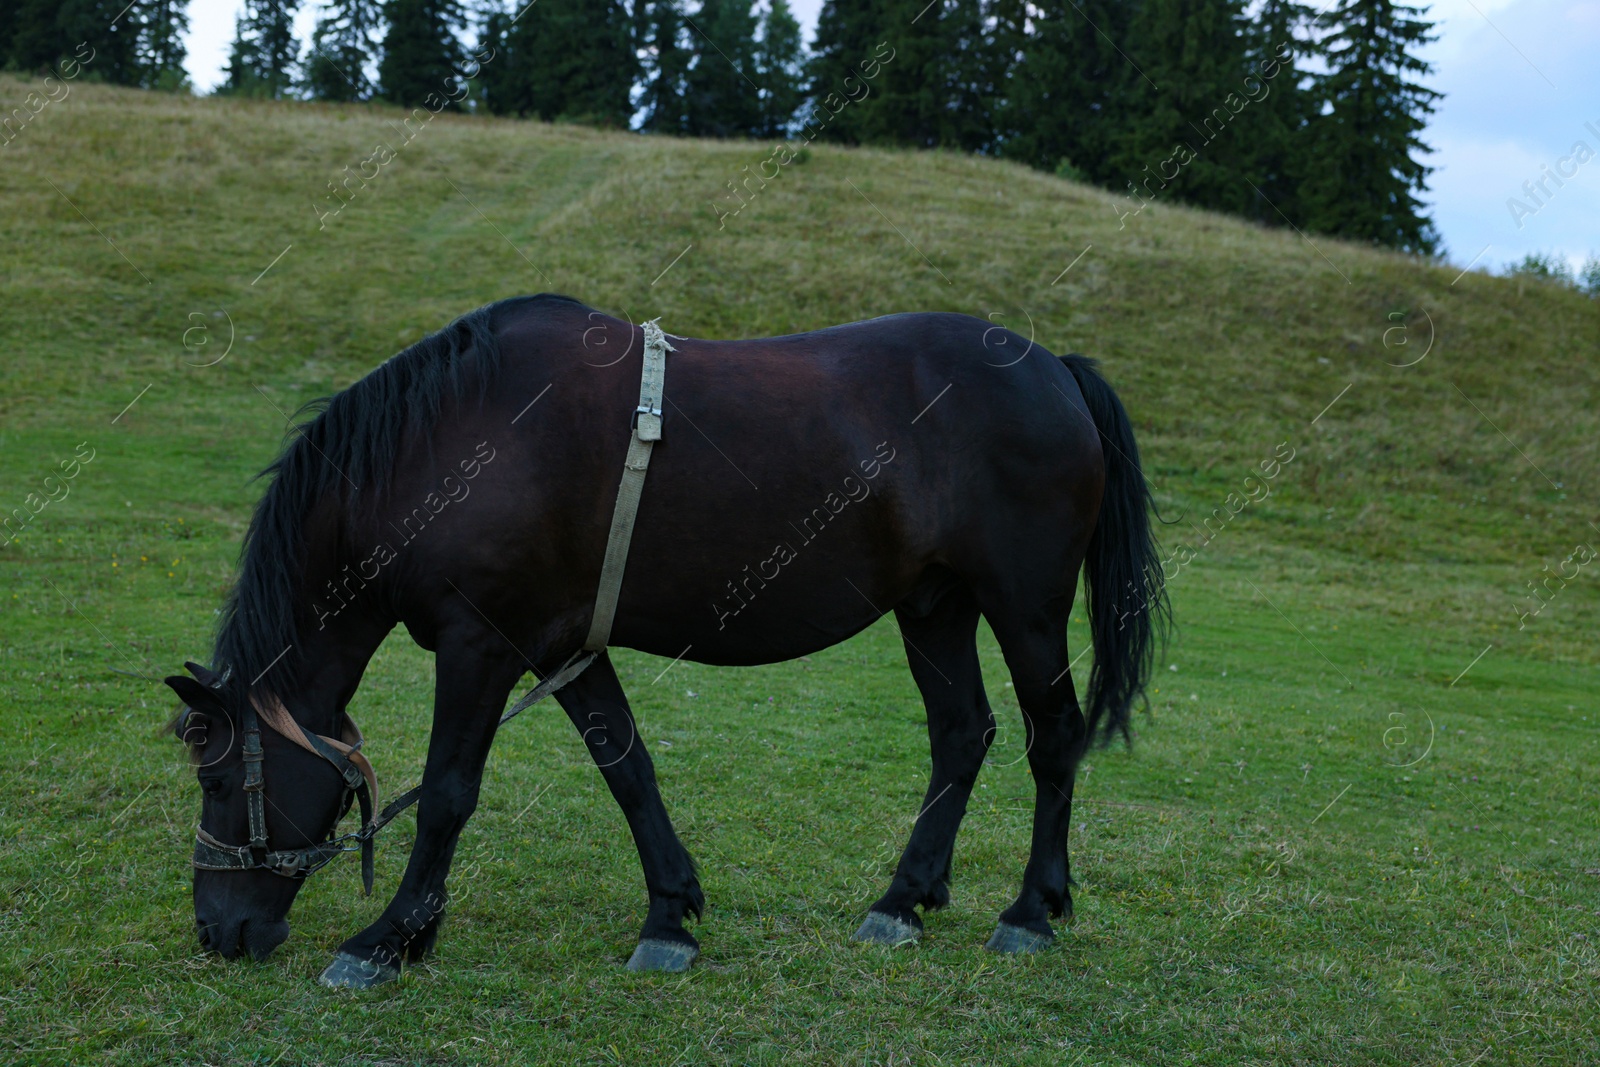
x=932, y=465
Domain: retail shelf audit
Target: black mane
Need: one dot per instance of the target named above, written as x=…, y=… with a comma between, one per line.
x=349, y=445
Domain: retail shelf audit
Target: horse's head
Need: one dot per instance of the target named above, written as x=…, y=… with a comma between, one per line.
x=268, y=809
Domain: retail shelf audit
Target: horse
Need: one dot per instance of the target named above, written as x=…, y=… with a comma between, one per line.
x=933, y=465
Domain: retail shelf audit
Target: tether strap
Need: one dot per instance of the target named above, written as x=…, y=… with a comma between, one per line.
x=646, y=432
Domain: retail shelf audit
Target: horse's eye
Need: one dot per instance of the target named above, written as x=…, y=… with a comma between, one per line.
x=211, y=786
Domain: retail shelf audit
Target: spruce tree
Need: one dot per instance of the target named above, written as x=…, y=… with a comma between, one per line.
x=137, y=44
x=421, y=53
x=849, y=33
x=343, y=46
x=160, y=44
x=1365, y=173
x=981, y=50
x=1001, y=68
x=1072, y=87
x=264, y=50
x=927, y=97
x=663, y=40
x=780, y=69
x=38, y=36
x=8, y=31
x=1178, y=124
x=497, y=84
x=113, y=30
x=722, y=98
x=1276, y=47
x=571, y=60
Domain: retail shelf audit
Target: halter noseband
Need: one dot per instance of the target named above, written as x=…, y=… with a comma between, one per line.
x=211, y=854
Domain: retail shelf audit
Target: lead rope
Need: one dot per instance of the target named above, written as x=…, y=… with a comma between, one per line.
x=646, y=432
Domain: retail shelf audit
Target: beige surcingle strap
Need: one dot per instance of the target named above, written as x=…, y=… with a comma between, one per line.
x=646, y=432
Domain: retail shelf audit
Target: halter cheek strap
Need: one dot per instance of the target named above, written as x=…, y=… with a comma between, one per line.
x=346, y=758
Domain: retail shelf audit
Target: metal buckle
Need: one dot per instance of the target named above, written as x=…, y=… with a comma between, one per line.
x=647, y=422
x=253, y=756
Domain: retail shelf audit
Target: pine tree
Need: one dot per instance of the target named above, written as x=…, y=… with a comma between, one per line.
x=571, y=60
x=722, y=97
x=1072, y=88
x=421, y=53
x=344, y=46
x=663, y=38
x=1178, y=125
x=1365, y=174
x=264, y=50
x=780, y=69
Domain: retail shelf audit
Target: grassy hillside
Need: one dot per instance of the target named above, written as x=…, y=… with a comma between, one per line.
x=1340, y=838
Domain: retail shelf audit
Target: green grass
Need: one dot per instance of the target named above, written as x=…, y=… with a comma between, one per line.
x=1329, y=844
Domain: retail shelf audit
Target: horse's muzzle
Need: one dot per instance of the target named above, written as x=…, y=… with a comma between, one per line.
x=232, y=938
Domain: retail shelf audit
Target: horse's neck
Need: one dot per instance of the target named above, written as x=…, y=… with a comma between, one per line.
x=347, y=619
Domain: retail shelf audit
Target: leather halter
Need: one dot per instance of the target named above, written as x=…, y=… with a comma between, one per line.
x=211, y=854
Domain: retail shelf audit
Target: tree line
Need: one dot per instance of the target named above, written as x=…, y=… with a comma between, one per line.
x=1262, y=108
x=1267, y=109
x=138, y=44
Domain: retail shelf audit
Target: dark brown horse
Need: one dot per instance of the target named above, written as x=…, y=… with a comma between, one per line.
x=932, y=465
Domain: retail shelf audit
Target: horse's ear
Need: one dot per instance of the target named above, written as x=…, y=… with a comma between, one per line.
x=196, y=696
x=206, y=675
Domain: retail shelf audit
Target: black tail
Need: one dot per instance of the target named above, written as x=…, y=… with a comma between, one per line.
x=1128, y=609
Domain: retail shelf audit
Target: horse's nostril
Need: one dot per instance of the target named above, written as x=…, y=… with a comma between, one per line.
x=218, y=937
x=260, y=937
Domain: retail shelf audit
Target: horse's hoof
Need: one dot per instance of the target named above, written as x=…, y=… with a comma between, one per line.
x=654, y=954
x=351, y=972
x=881, y=929
x=1008, y=938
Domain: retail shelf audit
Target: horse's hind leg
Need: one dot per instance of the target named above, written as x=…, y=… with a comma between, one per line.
x=597, y=706
x=1035, y=646
x=942, y=651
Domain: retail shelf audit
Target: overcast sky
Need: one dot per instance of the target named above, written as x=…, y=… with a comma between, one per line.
x=1521, y=80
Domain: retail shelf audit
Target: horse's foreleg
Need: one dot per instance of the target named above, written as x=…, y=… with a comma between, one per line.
x=475, y=673
x=599, y=709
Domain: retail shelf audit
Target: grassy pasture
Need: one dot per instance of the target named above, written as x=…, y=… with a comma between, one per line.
x=1358, y=824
